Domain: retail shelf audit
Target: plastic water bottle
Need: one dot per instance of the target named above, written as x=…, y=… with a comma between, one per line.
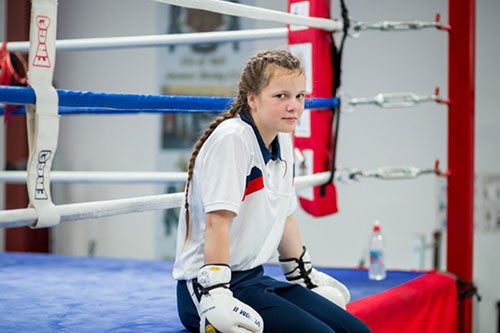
x=376, y=269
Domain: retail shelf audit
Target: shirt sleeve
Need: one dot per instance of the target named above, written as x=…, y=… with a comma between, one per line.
x=225, y=167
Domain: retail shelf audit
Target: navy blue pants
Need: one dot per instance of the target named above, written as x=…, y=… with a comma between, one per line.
x=284, y=307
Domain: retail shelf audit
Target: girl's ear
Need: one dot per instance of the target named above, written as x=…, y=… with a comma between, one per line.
x=251, y=101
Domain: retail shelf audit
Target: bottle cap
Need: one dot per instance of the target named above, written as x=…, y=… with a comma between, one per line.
x=376, y=225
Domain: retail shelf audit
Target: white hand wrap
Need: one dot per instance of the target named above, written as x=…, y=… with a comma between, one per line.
x=301, y=271
x=219, y=311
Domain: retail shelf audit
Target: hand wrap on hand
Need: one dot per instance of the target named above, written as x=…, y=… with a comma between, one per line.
x=219, y=311
x=301, y=271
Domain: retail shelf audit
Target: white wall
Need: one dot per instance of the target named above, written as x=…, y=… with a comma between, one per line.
x=487, y=241
x=370, y=137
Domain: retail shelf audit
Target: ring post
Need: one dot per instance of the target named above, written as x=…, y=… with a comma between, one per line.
x=460, y=206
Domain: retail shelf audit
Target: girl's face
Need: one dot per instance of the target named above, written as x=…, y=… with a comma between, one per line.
x=279, y=105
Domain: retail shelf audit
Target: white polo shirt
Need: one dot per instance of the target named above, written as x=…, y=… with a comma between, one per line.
x=234, y=171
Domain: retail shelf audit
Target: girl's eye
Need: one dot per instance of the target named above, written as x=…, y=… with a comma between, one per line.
x=300, y=96
x=281, y=96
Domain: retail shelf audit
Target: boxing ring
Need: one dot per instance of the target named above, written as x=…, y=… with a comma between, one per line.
x=52, y=293
x=47, y=293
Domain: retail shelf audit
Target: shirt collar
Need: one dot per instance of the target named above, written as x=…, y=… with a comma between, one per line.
x=275, y=152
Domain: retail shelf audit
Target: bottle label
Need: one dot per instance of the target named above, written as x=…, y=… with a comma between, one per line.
x=376, y=256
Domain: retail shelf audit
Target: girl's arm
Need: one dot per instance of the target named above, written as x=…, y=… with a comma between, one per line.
x=217, y=236
x=290, y=245
x=217, y=304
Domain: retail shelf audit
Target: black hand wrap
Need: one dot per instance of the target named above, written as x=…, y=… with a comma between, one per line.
x=296, y=269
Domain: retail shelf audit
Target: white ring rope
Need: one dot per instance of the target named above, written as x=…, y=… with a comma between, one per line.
x=223, y=7
x=93, y=210
x=342, y=174
x=157, y=40
x=235, y=9
x=97, y=209
x=136, y=177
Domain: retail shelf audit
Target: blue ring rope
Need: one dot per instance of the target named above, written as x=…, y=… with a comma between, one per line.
x=87, y=102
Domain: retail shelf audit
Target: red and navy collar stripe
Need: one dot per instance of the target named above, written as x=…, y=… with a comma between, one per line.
x=254, y=182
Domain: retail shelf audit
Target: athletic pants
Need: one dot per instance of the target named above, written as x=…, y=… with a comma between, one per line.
x=283, y=306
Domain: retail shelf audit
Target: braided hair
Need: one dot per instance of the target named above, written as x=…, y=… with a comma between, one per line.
x=256, y=75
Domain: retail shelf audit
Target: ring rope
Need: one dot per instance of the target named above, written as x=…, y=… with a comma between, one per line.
x=103, y=43
x=93, y=210
x=396, y=100
x=391, y=100
x=98, y=209
x=398, y=25
x=106, y=102
x=157, y=40
x=65, y=110
x=141, y=177
x=100, y=177
x=235, y=9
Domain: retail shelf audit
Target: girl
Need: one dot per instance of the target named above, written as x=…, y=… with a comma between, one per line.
x=238, y=211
